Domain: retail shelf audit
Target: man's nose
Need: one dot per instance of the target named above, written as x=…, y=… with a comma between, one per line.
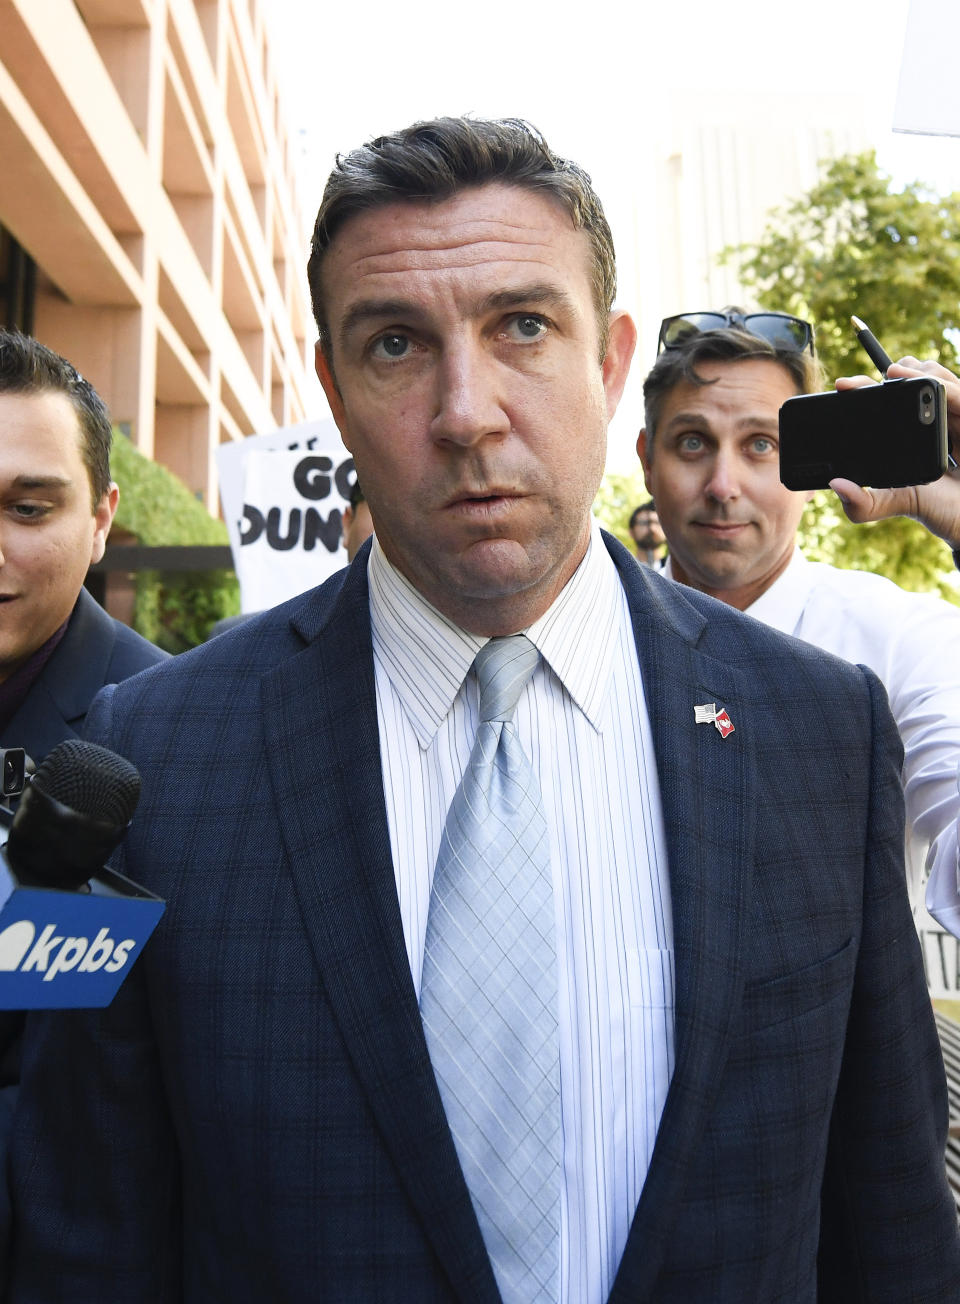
x=469, y=401
x=724, y=483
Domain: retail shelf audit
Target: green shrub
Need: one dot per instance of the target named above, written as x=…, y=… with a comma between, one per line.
x=173, y=610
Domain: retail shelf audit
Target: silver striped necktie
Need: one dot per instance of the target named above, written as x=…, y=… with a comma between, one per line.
x=489, y=989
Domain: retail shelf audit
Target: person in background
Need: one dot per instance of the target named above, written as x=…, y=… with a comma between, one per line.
x=709, y=450
x=586, y=971
x=58, y=647
x=647, y=534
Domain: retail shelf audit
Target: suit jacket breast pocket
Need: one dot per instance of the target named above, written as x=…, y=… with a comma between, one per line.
x=770, y=1119
x=803, y=991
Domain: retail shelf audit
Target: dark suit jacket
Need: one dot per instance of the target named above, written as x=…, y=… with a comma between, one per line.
x=95, y=650
x=256, y=1119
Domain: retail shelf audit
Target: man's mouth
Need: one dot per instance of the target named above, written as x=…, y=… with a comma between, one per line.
x=721, y=527
x=486, y=499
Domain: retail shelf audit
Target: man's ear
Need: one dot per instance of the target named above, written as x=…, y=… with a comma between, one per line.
x=643, y=451
x=329, y=382
x=103, y=516
x=621, y=342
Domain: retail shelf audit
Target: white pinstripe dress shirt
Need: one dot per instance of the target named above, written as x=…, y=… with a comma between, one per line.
x=583, y=722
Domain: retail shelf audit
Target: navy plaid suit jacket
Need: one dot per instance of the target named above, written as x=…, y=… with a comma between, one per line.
x=255, y=1117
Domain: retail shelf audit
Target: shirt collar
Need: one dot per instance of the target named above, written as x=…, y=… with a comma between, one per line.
x=427, y=657
x=15, y=687
x=781, y=605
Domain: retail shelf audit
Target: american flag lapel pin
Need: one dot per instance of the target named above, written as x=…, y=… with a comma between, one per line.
x=708, y=714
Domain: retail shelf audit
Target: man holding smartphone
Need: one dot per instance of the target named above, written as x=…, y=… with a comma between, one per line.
x=710, y=454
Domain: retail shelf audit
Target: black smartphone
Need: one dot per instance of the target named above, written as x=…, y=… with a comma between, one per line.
x=884, y=436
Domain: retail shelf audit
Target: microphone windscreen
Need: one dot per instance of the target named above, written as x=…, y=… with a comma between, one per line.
x=72, y=814
x=91, y=781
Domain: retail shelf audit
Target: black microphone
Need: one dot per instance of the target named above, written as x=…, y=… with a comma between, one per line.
x=72, y=815
x=69, y=926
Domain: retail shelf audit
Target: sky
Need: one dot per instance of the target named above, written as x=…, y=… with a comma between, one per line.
x=600, y=80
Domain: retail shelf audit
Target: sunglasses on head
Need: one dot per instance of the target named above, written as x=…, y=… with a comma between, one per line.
x=777, y=328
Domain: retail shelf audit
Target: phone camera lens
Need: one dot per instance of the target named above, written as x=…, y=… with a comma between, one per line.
x=926, y=397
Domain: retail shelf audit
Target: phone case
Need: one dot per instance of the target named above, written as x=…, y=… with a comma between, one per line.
x=884, y=436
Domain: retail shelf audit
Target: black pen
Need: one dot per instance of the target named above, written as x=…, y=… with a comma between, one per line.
x=880, y=359
x=872, y=346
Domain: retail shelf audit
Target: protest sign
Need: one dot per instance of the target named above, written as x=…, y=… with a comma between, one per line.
x=283, y=497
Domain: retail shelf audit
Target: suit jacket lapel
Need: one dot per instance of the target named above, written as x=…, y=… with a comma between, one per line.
x=329, y=794
x=706, y=784
x=68, y=682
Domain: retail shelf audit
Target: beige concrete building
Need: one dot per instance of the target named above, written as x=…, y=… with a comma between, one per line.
x=149, y=229
x=717, y=167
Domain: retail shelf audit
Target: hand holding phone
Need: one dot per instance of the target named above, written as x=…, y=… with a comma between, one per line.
x=886, y=436
x=935, y=505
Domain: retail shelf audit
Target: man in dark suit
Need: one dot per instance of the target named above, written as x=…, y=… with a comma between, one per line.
x=57, y=646
x=751, y=1099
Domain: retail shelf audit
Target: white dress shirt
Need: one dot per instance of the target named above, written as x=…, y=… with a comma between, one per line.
x=582, y=720
x=912, y=643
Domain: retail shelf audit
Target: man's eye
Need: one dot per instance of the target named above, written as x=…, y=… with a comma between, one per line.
x=690, y=444
x=528, y=326
x=391, y=346
x=28, y=511
x=762, y=445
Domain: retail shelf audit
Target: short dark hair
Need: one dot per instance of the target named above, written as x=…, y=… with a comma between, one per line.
x=434, y=161
x=648, y=506
x=356, y=495
x=678, y=364
x=29, y=367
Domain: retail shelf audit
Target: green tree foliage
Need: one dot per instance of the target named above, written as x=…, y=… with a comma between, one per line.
x=898, y=548
x=855, y=245
x=175, y=611
x=616, y=498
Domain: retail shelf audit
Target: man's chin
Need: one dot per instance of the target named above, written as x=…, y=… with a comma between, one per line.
x=494, y=568
x=493, y=582
x=714, y=573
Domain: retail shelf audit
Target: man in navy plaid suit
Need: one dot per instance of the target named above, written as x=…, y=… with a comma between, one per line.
x=752, y=1096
